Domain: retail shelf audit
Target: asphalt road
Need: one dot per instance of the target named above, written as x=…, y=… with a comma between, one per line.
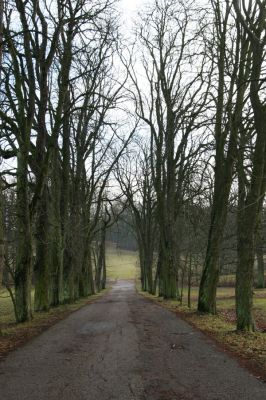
x=123, y=347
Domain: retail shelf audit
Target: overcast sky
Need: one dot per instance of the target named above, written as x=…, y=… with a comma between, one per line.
x=129, y=8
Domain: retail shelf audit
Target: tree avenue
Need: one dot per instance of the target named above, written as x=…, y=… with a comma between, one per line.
x=161, y=130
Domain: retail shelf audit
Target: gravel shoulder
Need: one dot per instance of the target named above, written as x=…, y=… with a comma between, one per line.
x=124, y=347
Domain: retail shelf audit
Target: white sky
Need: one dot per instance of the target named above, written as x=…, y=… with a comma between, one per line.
x=130, y=5
x=129, y=8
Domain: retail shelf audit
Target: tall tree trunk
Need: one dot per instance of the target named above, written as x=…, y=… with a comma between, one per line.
x=2, y=246
x=57, y=289
x=142, y=266
x=23, y=272
x=251, y=201
x=244, y=275
x=65, y=196
x=101, y=258
x=103, y=283
x=160, y=270
x=42, y=268
x=224, y=160
x=2, y=243
x=103, y=280
x=210, y=276
x=248, y=221
x=85, y=288
x=148, y=268
x=169, y=266
x=88, y=260
x=260, y=281
x=189, y=281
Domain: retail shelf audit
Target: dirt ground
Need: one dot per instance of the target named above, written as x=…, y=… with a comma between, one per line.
x=124, y=347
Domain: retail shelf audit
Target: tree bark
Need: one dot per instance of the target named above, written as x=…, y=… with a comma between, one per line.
x=2, y=245
x=56, y=242
x=2, y=242
x=42, y=268
x=224, y=160
x=260, y=281
x=23, y=271
x=250, y=204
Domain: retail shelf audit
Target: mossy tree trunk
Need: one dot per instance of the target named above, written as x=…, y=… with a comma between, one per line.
x=86, y=287
x=251, y=196
x=2, y=245
x=56, y=241
x=101, y=262
x=2, y=242
x=225, y=153
x=167, y=216
x=23, y=272
x=42, y=267
x=249, y=210
x=26, y=108
x=260, y=278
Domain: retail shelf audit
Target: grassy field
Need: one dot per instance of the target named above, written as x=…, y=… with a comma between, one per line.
x=121, y=264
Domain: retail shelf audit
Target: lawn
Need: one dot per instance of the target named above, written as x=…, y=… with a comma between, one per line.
x=7, y=314
x=226, y=304
x=121, y=264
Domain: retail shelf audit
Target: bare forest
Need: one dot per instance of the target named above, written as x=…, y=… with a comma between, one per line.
x=158, y=132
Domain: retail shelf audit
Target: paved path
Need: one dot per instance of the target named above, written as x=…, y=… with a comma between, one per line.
x=123, y=347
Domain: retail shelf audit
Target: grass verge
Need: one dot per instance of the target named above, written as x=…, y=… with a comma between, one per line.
x=14, y=335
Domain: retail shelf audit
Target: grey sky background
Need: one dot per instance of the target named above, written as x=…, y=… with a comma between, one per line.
x=129, y=9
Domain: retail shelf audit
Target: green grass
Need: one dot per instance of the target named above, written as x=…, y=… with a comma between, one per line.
x=121, y=264
x=225, y=303
x=226, y=300
x=7, y=314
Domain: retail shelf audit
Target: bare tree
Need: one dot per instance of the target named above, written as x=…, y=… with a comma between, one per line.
x=171, y=103
x=135, y=178
x=251, y=16
x=230, y=84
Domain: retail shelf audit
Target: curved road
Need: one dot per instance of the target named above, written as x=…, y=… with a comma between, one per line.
x=123, y=347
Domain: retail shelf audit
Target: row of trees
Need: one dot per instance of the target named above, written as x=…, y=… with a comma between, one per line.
x=201, y=98
x=60, y=143
x=194, y=80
